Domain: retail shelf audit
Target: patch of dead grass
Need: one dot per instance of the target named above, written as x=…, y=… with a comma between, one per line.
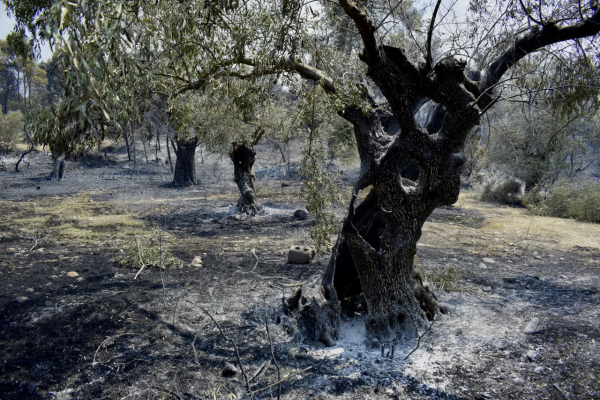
x=507, y=228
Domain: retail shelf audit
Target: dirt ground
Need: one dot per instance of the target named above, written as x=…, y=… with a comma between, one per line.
x=73, y=324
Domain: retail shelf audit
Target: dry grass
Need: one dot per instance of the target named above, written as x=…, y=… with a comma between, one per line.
x=508, y=229
x=69, y=219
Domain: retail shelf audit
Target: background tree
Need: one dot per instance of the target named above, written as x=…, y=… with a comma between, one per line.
x=539, y=145
x=11, y=127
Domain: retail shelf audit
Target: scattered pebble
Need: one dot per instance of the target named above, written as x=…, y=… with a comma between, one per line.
x=482, y=266
x=300, y=214
x=229, y=370
x=534, y=326
x=196, y=262
x=21, y=299
x=531, y=355
x=119, y=276
x=487, y=289
x=72, y=274
x=30, y=290
x=80, y=279
x=488, y=260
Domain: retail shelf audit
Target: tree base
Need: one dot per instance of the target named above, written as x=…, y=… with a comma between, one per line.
x=249, y=208
x=316, y=311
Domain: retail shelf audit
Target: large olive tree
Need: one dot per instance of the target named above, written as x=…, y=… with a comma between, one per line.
x=184, y=46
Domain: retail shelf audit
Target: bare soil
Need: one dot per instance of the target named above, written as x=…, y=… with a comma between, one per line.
x=106, y=334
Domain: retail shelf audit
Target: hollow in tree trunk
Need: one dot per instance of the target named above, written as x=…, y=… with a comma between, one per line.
x=58, y=167
x=372, y=264
x=185, y=164
x=243, y=157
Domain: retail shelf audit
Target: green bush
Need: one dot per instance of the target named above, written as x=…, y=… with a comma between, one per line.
x=149, y=252
x=11, y=126
x=507, y=192
x=566, y=199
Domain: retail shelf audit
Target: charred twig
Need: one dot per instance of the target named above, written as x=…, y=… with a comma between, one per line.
x=419, y=341
x=237, y=352
x=176, y=305
x=108, y=339
x=293, y=284
x=273, y=353
x=141, y=259
x=254, y=254
x=260, y=371
x=160, y=265
x=194, y=349
x=277, y=383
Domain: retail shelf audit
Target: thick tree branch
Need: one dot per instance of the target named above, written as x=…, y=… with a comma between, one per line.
x=537, y=38
x=365, y=28
x=430, y=35
x=308, y=72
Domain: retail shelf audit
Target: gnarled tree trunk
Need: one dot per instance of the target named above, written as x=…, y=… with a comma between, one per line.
x=243, y=157
x=372, y=263
x=185, y=163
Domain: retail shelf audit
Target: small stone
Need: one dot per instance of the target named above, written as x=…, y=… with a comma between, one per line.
x=80, y=279
x=53, y=276
x=487, y=289
x=300, y=214
x=482, y=266
x=301, y=254
x=534, y=326
x=229, y=370
x=491, y=382
x=197, y=262
x=538, y=257
x=119, y=276
x=488, y=260
x=538, y=370
x=531, y=355
x=21, y=299
x=30, y=290
x=518, y=380
x=72, y=274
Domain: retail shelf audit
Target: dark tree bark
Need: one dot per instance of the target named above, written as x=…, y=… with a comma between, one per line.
x=243, y=156
x=167, y=138
x=58, y=167
x=378, y=238
x=127, y=145
x=185, y=163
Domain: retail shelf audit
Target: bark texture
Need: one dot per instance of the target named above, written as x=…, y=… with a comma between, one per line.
x=185, y=163
x=243, y=156
x=58, y=167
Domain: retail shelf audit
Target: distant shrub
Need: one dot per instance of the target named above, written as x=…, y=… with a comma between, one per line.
x=507, y=192
x=566, y=199
x=11, y=125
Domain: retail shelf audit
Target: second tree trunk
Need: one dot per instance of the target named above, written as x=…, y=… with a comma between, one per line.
x=243, y=157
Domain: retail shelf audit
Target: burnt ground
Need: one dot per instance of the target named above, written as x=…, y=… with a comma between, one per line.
x=102, y=333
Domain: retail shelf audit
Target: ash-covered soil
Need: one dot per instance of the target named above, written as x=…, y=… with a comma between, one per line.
x=73, y=324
